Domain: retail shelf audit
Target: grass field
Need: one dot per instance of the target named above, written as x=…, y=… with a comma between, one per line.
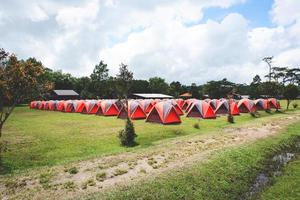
x=35, y=138
x=228, y=175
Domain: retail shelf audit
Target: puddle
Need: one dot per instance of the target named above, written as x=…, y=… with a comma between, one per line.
x=272, y=169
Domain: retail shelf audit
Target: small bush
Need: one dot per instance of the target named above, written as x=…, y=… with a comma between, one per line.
x=89, y=182
x=230, y=119
x=127, y=136
x=196, y=126
x=73, y=170
x=69, y=185
x=178, y=132
x=119, y=172
x=45, y=179
x=101, y=176
x=295, y=105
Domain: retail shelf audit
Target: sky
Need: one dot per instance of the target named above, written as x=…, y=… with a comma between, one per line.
x=191, y=41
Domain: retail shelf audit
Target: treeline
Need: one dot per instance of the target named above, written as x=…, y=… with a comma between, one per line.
x=101, y=85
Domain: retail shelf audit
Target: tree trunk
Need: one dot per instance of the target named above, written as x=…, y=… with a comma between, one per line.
x=288, y=103
x=1, y=125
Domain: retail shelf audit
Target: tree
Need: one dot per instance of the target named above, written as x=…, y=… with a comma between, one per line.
x=158, y=85
x=127, y=135
x=254, y=87
x=100, y=72
x=290, y=92
x=19, y=80
x=175, y=88
x=268, y=60
x=217, y=89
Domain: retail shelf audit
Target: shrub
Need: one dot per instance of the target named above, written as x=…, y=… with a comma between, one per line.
x=119, y=172
x=127, y=136
x=73, y=170
x=69, y=185
x=101, y=176
x=230, y=119
x=196, y=126
x=295, y=105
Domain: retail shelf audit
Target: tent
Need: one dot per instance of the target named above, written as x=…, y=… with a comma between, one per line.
x=146, y=104
x=52, y=105
x=262, y=104
x=69, y=106
x=60, y=106
x=201, y=109
x=108, y=108
x=90, y=107
x=180, y=102
x=214, y=103
x=188, y=104
x=163, y=112
x=79, y=106
x=134, y=111
x=41, y=105
x=246, y=105
x=274, y=103
x=33, y=104
x=223, y=108
x=176, y=106
x=46, y=105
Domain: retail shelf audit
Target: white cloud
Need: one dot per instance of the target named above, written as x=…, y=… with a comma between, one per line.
x=156, y=38
x=285, y=12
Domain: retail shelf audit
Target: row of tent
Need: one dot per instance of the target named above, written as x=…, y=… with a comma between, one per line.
x=166, y=111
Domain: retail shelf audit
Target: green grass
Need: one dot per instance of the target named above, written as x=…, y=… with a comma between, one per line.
x=286, y=186
x=36, y=138
x=228, y=175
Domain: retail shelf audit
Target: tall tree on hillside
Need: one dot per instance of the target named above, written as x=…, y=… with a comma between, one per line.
x=158, y=85
x=19, y=80
x=99, y=78
x=268, y=60
x=290, y=92
x=124, y=77
x=175, y=88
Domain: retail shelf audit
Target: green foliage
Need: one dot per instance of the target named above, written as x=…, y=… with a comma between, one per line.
x=196, y=126
x=290, y=92
x=295, y=105
x=230, y=119
x=101, y=176
x=73, y=170
x=120, y=171
x=127, y=136
x=158, y=85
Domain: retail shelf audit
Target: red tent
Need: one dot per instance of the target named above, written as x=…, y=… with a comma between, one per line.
x=201, y=109
x=134, y=111
x=274, y=103
x=163, y=112
x=262, y=104
x=91, y=107
x=108, y=108
x=41, y=105
x=33, y=104
x=52, y=105
x=180, y=102
x=234, y=108
x=176, y=106
x=60, y=106
x=188, y=103
x=146, y=104
x=246, y=105
x=214, y=103
x=69, y=106
x=79, y=106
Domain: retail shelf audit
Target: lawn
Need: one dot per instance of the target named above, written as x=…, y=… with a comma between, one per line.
x=35, y=138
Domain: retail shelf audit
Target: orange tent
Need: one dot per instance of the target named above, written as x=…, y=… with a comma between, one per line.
x=52, y=105
x=201, y=109
x=79, y=106
x=60, y=106
x=246, y=105
x=134, y=111
x=214, y=103
x=146, y=105
x=69, y=106
x=107, y=108
x=163, y=112
x=274, y=103
x=262, y=104
x=176, y=106
x=180, y=102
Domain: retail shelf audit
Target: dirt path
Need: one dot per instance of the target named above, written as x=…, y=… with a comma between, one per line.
x=104, y=173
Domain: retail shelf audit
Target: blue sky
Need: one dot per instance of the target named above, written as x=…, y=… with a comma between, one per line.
x=188, y=41
x=256, y=11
